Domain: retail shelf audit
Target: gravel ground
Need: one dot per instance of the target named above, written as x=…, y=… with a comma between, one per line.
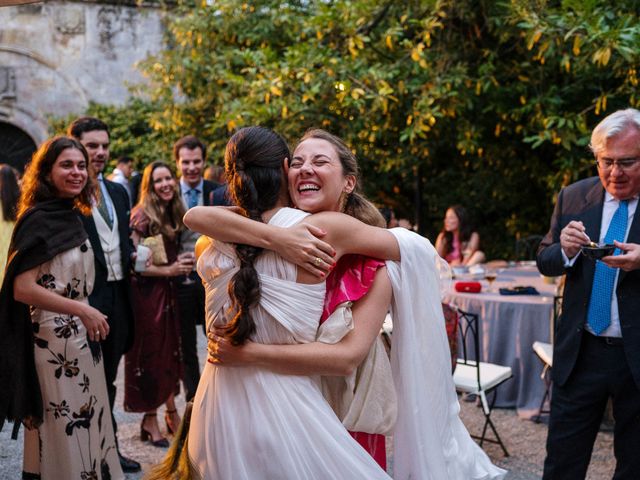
x=524, y=439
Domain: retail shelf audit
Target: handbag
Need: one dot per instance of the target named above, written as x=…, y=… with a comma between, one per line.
x=468, y=287
x=158, y=253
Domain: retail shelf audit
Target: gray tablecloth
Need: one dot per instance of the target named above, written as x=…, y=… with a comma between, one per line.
x=508, y=327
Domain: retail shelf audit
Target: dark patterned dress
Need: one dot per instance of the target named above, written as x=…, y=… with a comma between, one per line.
x=75, y=440
x=153, y=365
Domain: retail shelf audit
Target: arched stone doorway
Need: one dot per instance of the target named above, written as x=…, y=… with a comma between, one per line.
x=16, y=147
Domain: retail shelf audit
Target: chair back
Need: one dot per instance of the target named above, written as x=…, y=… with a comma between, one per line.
x=468, y=326
x=451, y=324
x=527, y=247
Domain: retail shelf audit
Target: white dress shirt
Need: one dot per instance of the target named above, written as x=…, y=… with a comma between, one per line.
x=609, y=207
x=184, y=190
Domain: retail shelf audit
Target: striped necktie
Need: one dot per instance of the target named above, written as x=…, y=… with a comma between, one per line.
x=102, y=205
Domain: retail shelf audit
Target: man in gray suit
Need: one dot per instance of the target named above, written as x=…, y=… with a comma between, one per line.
x=597, y=342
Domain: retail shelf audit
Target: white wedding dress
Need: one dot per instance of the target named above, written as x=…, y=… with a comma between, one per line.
x=250, y=423
x=253, y=424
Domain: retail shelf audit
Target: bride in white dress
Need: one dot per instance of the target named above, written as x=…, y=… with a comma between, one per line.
x=254, y=423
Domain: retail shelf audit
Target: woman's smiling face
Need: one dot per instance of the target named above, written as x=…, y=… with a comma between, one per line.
x=164, y=185
x=69, y=173
x=316, y=179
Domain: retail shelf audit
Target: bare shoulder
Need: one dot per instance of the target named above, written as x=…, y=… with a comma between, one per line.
x=202, y=244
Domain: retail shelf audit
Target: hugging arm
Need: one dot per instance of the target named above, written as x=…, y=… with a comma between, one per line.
x=299, y=244
x=350, y=235
x=315, y=358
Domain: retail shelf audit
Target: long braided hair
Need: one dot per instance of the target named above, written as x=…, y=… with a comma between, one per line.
x=253, y=166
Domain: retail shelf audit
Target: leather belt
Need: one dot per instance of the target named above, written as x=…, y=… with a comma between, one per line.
x=611, y=341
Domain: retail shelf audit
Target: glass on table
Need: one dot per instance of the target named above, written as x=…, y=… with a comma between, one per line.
x=490, y=276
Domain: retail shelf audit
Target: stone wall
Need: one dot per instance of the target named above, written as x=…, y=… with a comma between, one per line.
x=56, y=57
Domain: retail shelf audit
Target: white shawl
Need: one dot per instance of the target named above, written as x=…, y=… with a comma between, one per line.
x=430, y=440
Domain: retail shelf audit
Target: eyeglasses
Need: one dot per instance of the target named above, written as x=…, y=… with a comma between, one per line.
x=623, y=164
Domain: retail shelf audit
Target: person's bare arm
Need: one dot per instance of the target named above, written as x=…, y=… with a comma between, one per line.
x=350, y=235
x=299, y=244
x=315, y=358
x=440, y=244
x=28, y=291
x=201, y=245
x=473, y=245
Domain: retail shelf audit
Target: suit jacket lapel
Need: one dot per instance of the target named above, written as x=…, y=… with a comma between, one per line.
x=592, y=217
x=207, y=188
x=120, y=203
x=592, y=220
x=94, y=238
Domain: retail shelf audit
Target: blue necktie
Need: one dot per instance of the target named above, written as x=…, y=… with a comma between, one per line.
x=193, y=197
x=599, y=316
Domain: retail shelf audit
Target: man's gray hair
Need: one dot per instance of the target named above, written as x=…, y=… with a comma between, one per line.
x=612, y=125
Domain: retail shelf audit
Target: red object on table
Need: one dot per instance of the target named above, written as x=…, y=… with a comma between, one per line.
x=468, y=287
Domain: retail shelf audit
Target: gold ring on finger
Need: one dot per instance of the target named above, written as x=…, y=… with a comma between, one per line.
x=317, y=261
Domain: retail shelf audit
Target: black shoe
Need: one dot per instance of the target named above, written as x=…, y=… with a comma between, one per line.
x=146, y=436
x=128, y=465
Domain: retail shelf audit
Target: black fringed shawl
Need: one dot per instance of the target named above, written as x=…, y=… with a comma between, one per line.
x=44, y=231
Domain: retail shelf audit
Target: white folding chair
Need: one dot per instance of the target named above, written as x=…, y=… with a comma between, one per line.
x=544, y=351
x=474, y=377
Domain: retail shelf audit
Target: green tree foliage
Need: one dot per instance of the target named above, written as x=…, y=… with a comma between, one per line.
x=131, y=129
x=484, y=103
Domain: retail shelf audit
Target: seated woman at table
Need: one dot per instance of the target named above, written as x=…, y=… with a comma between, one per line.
x=457, y=243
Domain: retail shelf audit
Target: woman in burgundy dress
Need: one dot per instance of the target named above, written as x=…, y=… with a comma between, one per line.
x=153, y=366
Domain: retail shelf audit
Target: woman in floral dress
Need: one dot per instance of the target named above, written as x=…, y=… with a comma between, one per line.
x=51, y=333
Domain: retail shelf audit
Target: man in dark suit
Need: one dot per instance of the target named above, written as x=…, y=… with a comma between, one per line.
x=220, y=196
x=108, y=230
x=190, y=155
x=597, y=342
